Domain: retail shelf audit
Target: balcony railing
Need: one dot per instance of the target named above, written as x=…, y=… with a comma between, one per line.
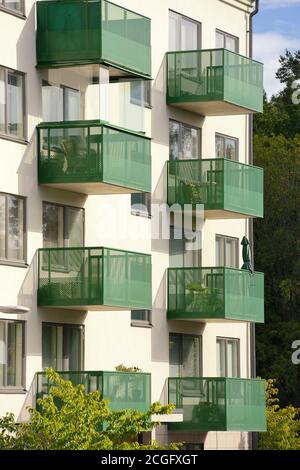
x=219, y=404
x=206, y=294
x=93, y=157
x=214, y=82
x=77, y=32
x=124, y=390
x=94, y=279
x=226, y=188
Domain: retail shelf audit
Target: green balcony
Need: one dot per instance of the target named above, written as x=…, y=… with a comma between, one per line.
x=215, y=294
x=79, y=32
x=219, y=404
x=94, y=279
x=93, y=157
x=214, y=82
x=227, y=189
x=124, y=390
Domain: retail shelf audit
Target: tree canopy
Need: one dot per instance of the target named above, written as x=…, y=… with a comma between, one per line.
x=276, y=237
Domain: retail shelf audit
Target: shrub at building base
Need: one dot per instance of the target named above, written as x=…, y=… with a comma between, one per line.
x=78, y=423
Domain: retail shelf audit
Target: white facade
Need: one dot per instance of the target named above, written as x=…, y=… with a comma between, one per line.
x=109, y=337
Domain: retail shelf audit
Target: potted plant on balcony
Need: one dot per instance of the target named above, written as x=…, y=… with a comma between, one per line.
x=133, y=383
x=199, y=294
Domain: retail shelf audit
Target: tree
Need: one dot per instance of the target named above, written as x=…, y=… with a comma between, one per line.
x=283, y=427
x=70, y=419
x=276, y=237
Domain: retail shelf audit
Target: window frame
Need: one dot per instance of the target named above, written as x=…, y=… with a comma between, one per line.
x=64, y=207
x=20, y=13
x=16, y=389
x=192, y=20
x=196, y=256
x=9, y=261
x=142, y=323
x=64, y=89
x=237, y=254
x=141, y=213
x=181, y=336
x=230, y=36
x=6, y=134
x=82, y=339
x=181, y=127
x=238, y=342
x=225, y=136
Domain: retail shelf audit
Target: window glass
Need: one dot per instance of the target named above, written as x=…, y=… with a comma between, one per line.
x=141, y=204
x=227, y=41
x=11, y=354
x=184, y=252
x=184, y=355
x=2, y=101
x=11, y=103
x=226, y=147
x=184, y=141
x=184, y=33
x=12, y=229
x=140, y=92
x=143, y=316
x=62, y=226
x=227, y=251
x=62, y=347
x=228, y=350
x=71, y=104
x=17, y=5
x=15, y=104
x=52, y=102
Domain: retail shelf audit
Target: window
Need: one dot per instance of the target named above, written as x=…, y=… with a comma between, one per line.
x=184, y=33
x=141, y=204
x=60, y=103
x=62, y=347
x=227, y=147
x=140, y=93
x=184, y=141
x=12, y=228
x=228, y=357
x=140, y=317
x=12, y=103
x=227, y=251
x=184, y=252
x=11, y=354
x=227, y=41
x=15, y=5
x=184, y=355
x=63, y=226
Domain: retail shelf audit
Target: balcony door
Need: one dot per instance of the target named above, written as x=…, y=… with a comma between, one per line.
x=62, y=347
x=184, y=33
x=184, y=355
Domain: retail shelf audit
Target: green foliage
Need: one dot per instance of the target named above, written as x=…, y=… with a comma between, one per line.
x=122, y=368
x=70, y=419
x=283, y=427
x=276, y=237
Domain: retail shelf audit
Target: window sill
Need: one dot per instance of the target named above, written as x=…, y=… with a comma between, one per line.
x=16, y=264
x=11, y=138
x=11, y=391
x=141, y=324
x=141, y=214
x=16, y=13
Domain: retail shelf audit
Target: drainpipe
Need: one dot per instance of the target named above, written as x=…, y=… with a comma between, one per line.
x=250, y=157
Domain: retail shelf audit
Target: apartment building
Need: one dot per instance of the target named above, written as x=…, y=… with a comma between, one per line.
x=104, y=109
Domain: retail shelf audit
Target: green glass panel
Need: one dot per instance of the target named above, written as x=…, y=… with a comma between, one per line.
x=126, y=159
x=94, y=277
x=214, y=75
x=219, y=184
x=123, y=390
x=87, y=152
x=71, y=32
x=219, y=404
x=127, y=279
x=215, y=293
